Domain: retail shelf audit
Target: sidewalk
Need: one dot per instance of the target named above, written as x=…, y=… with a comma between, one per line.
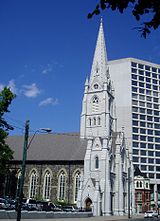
x=99, y=218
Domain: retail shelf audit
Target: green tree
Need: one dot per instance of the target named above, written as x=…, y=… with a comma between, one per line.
x=140, y=8
x=6, y=154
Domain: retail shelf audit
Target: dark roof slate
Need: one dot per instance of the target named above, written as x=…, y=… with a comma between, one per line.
x=50, y=147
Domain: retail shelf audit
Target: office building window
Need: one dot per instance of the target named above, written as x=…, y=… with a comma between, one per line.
x=143, y=138
x=148, y=74
x=156, y=113
x=135, y=144
x=134, y=96
x=156, y=119
x=148, y=92
x=133, y=64
x=157, y=154
x=154, y=81
x=150, y=153
x=143, y=160
x=142, y=145
x=150, y=131
x=135, y=152
x=142, y=124
x=135, y=137
x=149, y=118
x=156, y=100
x=151, y=175
x=141, y=84
x=141, y=78
x=135, y=123
x=134, y=83
x=149, y=111
x=143, y=152
x=147, y=67
x=151, y=168
x=142, y=131
x=135, y=130
x=141, y=72
x=157, y=161
x=134, y=89
x=135, y=116
x=157, y=133
x=142, y=117
x=143, y=167
x=157, y=146
x=148, y=80
x=134, y=76
x=150, y=146
x=158, y=168
x=150, y=160
x=135, y=159
x=135, y=109
x=148, y=86
x=133, y=70
x=155, y=87
x=141, y=91
x=141, y=66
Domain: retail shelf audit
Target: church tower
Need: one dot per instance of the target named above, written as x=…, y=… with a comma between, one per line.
x=97, y=126
x=103, y=184
x=97, y=106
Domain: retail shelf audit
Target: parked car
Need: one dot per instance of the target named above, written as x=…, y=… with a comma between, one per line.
x=151, y=214
x=47, y=206
x=30, y=205
x=3, y=203
x=69, y=208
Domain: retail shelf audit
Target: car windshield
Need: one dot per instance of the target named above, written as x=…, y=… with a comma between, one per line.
x=150, y=212
x=2, y=201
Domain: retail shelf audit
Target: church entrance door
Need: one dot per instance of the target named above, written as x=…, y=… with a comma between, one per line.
x=88, y=204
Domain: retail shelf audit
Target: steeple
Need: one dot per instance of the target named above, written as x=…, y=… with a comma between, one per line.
x=99, y=65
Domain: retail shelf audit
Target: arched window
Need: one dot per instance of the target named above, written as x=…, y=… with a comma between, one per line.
x=99, y=121
x=137, y=184
x=76, y=185
x=47, y=185
x=96, y=162
x=141, y=184
x=90, y=122
x=94, y=121
x=61, y=186
x=33, y=184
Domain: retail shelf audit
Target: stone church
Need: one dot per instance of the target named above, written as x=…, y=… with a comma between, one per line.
x=90, y=168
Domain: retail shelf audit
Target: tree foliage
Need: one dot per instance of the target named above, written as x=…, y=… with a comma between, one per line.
x=139, y=8
x=6, y=97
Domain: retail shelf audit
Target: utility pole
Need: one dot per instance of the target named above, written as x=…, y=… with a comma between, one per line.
x=129, y=192
x=20, y=192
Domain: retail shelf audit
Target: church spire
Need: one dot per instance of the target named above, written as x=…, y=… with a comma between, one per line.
x=99, y=65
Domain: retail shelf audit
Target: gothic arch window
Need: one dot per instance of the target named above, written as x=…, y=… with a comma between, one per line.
x=94, y=121
x=99, y=121
x=76, y=185
x=47, y=185
x=61, y=186
x=96, y=162
x=90, y=122
x=33, y=184
x=95, y=100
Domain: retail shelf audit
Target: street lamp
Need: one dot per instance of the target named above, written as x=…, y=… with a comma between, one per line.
x=25, y=147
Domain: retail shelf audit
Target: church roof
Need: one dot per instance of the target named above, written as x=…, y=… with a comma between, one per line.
x=50, y=147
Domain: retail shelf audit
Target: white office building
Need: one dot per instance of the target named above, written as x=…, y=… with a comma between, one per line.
x=137, y=87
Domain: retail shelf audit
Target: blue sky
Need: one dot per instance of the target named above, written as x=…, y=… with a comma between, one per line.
x=46, y=52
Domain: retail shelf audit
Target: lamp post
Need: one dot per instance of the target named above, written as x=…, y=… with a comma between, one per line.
x=25, y=147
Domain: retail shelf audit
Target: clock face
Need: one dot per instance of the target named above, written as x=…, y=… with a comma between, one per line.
x=95, y=86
